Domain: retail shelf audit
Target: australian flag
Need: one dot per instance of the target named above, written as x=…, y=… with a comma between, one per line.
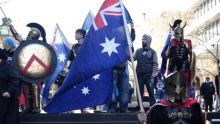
x=104, y=46
x=88, y=21
x=62, y=49
x=90, y=93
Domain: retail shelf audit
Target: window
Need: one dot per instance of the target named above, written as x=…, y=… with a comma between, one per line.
x=204, y=7
x=197, y=13
x=218, y=27
x=208, y=33
x=208, y=5
x=215, y=29
x=201, y=10
x=213, y=3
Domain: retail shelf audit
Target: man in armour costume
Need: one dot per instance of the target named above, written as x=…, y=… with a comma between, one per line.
x=31, y=90
x=177, y=108
x=179, y=52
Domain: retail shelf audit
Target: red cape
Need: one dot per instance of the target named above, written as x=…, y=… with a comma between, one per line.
x=188, y=102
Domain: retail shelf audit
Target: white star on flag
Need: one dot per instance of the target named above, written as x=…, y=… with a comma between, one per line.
x=96, y=76
x=62, y=57
x=109, y=46
x=85, y=90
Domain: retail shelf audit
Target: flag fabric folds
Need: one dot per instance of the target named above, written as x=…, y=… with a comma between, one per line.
x=90, y=93
x=163, y=53
x=88, y=21
x=104, y=46
x=62, y=49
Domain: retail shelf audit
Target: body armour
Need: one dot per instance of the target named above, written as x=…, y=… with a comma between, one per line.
x=179, y=51
x=185, y=113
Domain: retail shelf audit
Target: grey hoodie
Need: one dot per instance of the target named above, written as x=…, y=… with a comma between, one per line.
x=140, y=55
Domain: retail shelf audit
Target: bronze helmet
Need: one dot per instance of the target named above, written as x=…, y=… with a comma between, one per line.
x=36, y=31
x=178, y=31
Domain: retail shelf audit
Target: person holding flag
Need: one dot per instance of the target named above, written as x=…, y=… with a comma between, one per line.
x=105, y=46
x=79, y=36
x=121, y=81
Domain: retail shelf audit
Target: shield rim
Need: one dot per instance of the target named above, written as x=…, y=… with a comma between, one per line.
x=54, y=61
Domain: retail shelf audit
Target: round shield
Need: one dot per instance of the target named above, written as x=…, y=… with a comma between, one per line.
x=35, y=61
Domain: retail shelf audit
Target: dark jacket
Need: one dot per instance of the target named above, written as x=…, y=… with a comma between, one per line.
x=8, y=78
x=8, y=83
x=207, y=89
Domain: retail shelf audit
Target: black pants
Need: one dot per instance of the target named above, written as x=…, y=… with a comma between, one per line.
x=208, y=103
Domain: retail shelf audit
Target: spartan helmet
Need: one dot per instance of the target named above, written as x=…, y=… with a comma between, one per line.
x=36, y=31
x=175, y=87
x=178, y=31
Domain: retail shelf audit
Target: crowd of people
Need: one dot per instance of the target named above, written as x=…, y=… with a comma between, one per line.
x=168, y=94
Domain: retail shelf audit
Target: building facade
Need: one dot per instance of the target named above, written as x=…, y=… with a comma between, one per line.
x=204, y=32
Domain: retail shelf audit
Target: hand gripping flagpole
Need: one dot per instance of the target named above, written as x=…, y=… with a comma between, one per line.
x=131, y=57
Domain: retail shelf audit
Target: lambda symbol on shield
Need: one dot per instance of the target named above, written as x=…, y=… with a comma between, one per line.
x=35, y=61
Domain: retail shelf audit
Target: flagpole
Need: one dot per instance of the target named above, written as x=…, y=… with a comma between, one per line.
x=131, y=58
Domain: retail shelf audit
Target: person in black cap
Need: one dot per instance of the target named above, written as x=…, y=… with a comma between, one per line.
x=207, y=91
x=8, y=85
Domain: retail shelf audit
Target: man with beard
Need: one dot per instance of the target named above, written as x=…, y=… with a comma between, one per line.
x=146, y=67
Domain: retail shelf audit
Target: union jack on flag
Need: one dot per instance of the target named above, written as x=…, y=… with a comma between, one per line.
x=111, y=7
